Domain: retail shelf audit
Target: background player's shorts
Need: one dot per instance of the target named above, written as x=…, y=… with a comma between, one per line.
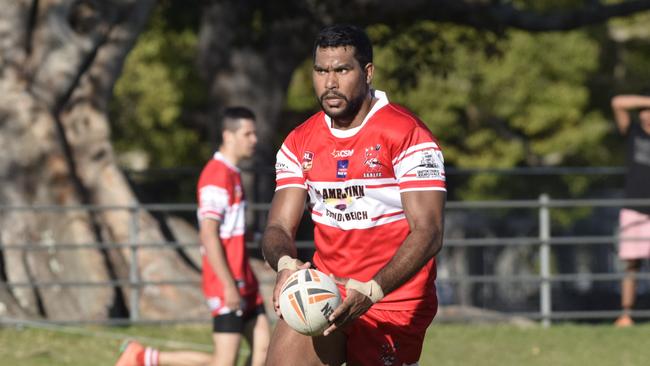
x=388, y=337
x=235, y=322
x=250, y=303
x=634, y=224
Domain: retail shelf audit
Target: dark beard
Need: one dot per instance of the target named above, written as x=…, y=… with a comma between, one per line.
x=352, y=106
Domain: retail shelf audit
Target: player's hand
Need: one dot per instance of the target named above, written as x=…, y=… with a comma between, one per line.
x=232, y=298
x=354, y=305
x=279, y=281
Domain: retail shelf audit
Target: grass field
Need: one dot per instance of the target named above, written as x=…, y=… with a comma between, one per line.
x=446, y=344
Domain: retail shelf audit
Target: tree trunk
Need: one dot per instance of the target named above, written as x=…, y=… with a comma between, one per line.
x=248, y=52
x=59, y=60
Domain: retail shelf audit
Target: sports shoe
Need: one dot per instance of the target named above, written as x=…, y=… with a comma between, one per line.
x=624, y=321
x=129, y=351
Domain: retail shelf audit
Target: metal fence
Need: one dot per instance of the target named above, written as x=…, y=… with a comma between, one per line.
x=543, y=242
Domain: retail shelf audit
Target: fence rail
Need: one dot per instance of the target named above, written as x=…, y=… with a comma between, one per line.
x=544, y=241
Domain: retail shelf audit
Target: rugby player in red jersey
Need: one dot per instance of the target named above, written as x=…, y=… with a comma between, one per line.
x=373, y=176
x=229, y=285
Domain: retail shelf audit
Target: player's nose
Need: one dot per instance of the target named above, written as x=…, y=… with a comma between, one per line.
x=331, y=81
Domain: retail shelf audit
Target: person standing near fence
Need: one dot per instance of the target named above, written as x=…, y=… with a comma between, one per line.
x=374, y=177
x=634, y=221
x=229, y=285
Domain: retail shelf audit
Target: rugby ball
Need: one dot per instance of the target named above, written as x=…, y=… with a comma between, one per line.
x=307, y=298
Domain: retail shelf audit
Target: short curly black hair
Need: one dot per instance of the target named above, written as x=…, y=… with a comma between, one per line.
x=339, y=35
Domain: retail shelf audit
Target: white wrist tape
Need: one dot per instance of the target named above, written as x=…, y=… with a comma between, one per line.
x=370, y=289
x=286, y=262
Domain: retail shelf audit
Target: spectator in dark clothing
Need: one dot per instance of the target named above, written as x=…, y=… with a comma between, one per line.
x=634, y=221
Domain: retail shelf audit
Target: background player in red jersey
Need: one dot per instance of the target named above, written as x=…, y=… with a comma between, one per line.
x=229, y=284
x=374, y=178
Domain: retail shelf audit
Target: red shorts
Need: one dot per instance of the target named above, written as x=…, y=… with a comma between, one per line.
x=388, y=337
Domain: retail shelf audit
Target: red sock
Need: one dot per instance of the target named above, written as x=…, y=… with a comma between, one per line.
x=139, y=358
x=148, y=357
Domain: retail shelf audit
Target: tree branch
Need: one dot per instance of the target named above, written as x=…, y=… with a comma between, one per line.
x=489, y=15
x=31, y=24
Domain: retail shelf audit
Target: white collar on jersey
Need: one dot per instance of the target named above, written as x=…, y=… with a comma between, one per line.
x=219, y=156
x=382, y=100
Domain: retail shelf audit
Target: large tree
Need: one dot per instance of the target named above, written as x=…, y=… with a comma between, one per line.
x=59, y=60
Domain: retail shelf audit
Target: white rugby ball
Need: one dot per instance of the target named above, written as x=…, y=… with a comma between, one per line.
x=307, y=298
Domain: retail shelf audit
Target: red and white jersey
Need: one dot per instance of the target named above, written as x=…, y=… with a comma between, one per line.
x=220, y=197
x=354, y=179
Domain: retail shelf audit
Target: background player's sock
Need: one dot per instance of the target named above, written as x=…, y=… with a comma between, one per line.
x=148, y=357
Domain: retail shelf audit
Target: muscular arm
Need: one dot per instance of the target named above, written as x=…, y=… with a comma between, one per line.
x=217, y=259
x=622, y=104
x=286, y=211
x=424, y=213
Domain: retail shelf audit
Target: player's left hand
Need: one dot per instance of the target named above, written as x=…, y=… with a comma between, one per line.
x=354, y=305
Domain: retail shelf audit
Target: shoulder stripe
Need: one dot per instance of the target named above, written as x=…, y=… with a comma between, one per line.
x=286, y=152
x=415, y=148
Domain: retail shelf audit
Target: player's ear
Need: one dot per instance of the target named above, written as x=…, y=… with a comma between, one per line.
x=370, y=71
x=226, y=135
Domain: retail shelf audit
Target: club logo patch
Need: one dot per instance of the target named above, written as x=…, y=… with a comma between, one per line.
x=372, y=163
x=307, y=161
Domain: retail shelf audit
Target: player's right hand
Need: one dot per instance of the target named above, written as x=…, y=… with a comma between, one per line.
x=279, y=281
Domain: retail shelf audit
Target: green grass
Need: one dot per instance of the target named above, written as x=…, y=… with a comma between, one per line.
x=445, y=344
x=558, y=345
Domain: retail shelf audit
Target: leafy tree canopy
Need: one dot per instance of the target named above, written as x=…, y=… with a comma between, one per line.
x=158, y=86
x=497, y=98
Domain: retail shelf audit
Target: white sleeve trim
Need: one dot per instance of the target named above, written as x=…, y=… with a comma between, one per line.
x=423, y=189
x=303, y=186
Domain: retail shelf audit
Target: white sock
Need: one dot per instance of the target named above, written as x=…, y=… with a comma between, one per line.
x=151, y=356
